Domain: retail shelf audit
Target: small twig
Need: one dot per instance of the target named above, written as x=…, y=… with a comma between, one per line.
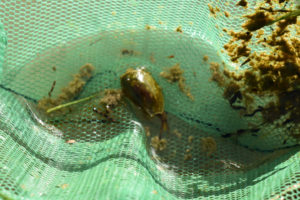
x=69, y=104
x=52, y=88
x=245, y=62
x=259, y=109
x=271, y=10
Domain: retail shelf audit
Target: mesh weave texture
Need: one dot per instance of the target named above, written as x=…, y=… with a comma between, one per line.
x=115, y=160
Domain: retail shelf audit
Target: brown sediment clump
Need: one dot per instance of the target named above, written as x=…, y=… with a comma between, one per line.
x=226, y=14
x=158, y=144
x=213, y=10
x=237, y=50
x=174, y=74
x=242, y=3
x=179, y=29
x=69, y=92
x=258, y=20
x=259, y=33
x=129, y=52
x=216, y=75
x=208, y=145
x=112, y=97
x=205, y=58
x=47, y=103
x=273, y=72
x=148, y=27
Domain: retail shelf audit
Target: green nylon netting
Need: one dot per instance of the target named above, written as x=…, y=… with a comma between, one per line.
x=115, y=161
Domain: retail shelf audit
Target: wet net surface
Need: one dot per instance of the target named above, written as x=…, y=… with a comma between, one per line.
x=80, y=155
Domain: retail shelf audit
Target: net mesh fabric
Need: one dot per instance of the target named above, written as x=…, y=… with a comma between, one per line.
x=115, y=160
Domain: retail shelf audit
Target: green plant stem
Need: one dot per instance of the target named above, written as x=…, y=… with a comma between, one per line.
x=69, y=104
x=291, y=14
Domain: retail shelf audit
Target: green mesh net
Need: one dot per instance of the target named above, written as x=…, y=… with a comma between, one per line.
x=79, y=156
